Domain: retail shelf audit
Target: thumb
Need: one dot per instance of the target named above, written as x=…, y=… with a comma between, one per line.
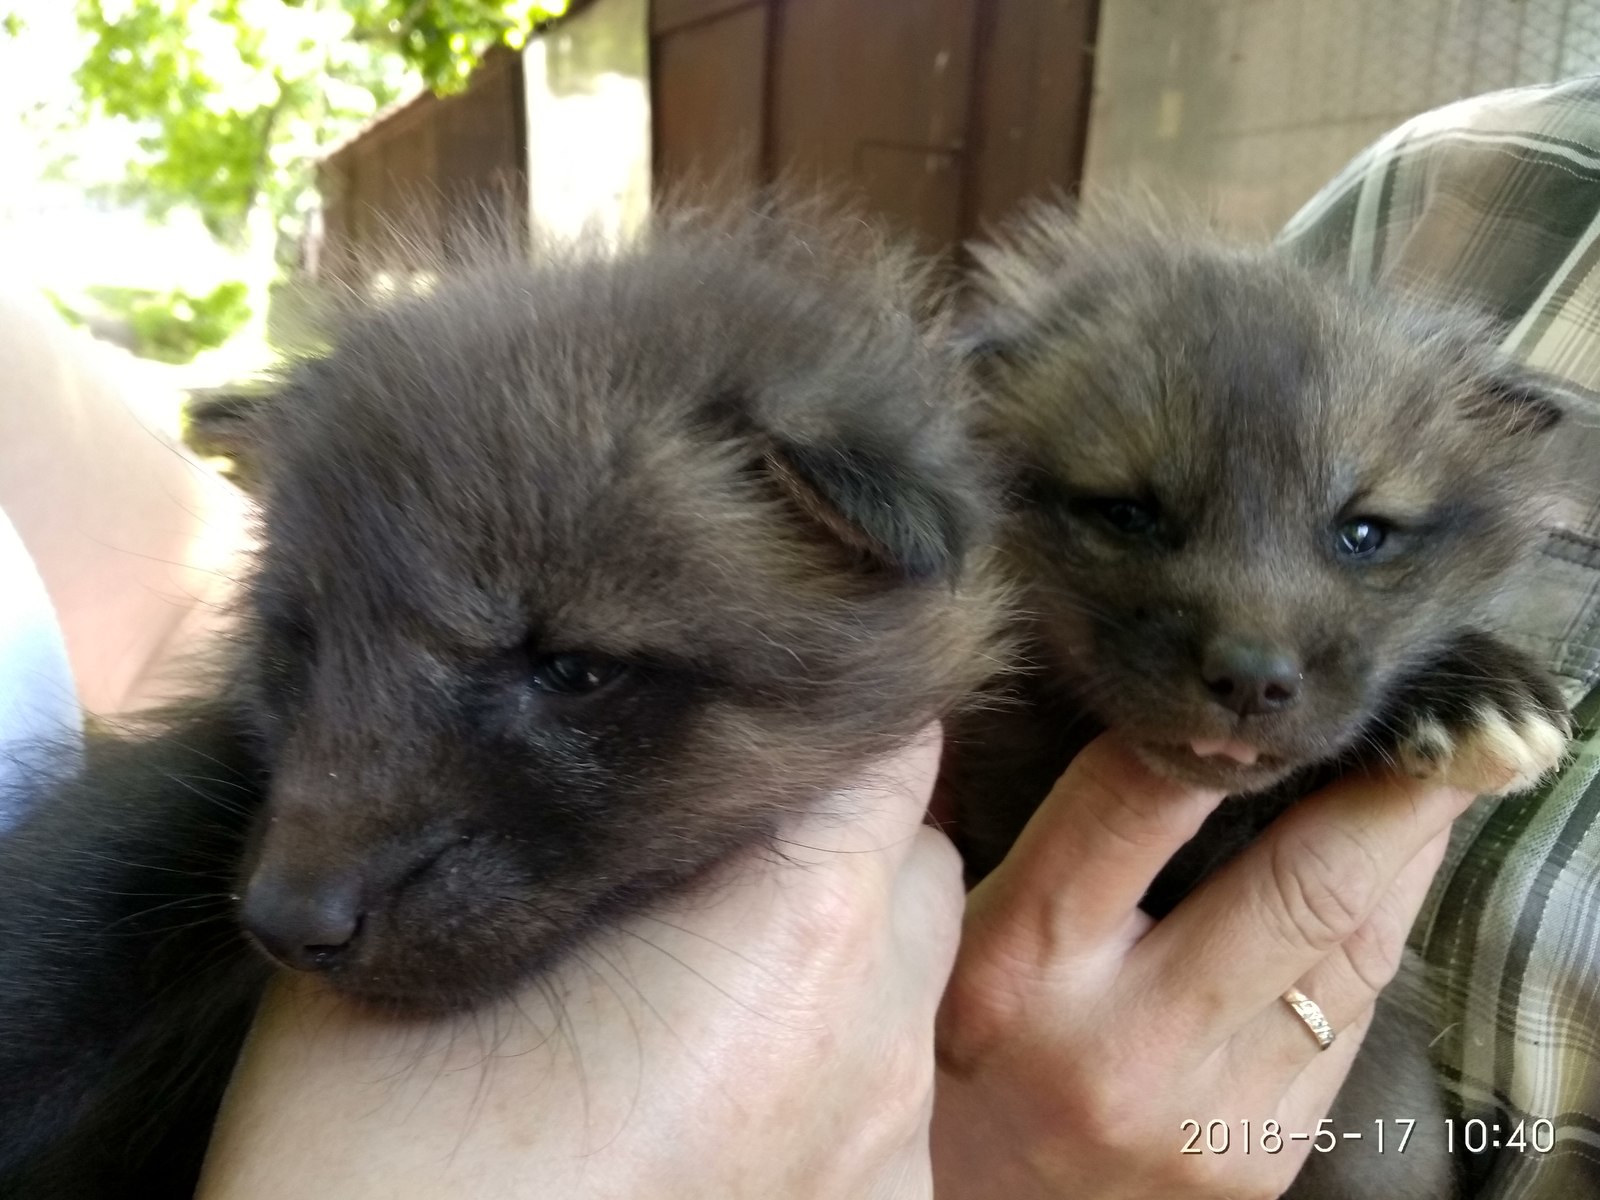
x=879, y=812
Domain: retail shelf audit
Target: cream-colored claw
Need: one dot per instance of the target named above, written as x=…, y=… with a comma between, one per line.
x=1493, y=757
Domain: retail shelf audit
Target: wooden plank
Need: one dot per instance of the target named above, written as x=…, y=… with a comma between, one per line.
x=708, y=83
x=917, y=188
x=875, y=97
x=667, y=15
x=396, y=195
x=1033, y=84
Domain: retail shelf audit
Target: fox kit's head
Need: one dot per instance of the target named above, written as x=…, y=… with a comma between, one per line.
x=1248, y=497
x=578, y=575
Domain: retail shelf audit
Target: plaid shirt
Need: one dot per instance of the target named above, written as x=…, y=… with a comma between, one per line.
x=1494, y=202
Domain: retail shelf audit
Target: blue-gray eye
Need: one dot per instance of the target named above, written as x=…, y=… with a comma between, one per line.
x=1361, y=536
x=573, y=674
x=1132, y=517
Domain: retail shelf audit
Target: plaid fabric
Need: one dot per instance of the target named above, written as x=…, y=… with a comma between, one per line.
x=1494, y=202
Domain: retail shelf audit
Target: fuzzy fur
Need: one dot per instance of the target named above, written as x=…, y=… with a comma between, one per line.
x=1250, y=407
x=722, y=468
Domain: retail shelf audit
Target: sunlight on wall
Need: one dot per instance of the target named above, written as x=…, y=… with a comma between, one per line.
x=587, y=84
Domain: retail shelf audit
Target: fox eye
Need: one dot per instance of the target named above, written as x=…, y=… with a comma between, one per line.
x=574, y=674
x=1127, y=516
x=1360, y=536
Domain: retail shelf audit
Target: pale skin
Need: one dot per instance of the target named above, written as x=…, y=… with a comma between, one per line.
x=135, y=540
x=1077, y=1035
x=778, y=1039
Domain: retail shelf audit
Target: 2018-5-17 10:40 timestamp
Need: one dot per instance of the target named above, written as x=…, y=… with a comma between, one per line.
x=1387, y=1136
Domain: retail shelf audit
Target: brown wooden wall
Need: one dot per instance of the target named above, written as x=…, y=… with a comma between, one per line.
x=421, y=169
x=942, y=114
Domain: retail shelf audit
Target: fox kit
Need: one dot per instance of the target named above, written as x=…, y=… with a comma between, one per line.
x=575, y=578
x=1260, y=520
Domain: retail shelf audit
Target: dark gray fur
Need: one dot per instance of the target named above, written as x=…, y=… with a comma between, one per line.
x=724, y=464
x=1252, y=405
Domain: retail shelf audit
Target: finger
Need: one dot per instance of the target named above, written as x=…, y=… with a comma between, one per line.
x=1312, y=1090
x=879, y=813
x=827, y=879
x=1381, y=1054
x=925, y=910
x=1312, y=880
x=1345, y=984
x=1075, y=876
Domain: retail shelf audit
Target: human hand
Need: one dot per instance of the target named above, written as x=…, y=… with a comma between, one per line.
x=770, y=1035
x=1078, y=1035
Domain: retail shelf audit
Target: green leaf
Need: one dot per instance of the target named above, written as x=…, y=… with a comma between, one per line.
x=232, y=99
x=171, y=326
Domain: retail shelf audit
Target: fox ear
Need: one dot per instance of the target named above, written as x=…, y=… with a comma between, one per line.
x=228, y=422
x=1518, y=400
x=896, y=480
x=1521, y=401
x=986, y=346
x=875, y=501
x=978, y=345
x=241, y=421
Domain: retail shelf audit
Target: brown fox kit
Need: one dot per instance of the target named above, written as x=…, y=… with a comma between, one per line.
x=1260, y=519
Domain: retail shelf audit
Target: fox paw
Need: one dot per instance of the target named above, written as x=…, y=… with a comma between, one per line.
x=1483, y=717
x=1492, y=752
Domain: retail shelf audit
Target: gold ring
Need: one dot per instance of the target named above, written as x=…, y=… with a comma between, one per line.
x=1309, y=1011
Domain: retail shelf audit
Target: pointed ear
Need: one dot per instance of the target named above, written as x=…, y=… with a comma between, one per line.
x=227, y=423
x=875, y=501
x=1521, y=401
x=240, y=421
x=1518, y=400
x=990, y=348
x=989, y=333
x=979, y=344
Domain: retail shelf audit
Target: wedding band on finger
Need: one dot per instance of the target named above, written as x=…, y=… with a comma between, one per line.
x=1309, y=1011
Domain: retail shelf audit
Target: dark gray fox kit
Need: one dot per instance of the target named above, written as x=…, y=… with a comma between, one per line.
x=1261, y=519
x=575, y=577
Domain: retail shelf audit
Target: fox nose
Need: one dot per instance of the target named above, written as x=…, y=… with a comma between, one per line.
x=1249, y=677
x=305, y=922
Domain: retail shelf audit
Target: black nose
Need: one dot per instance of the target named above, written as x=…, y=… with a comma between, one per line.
x=1250, y=677
x=305, y=922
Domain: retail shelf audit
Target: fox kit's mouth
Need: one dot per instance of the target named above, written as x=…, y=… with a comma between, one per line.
x=1240, y=752
x=1230, y=764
